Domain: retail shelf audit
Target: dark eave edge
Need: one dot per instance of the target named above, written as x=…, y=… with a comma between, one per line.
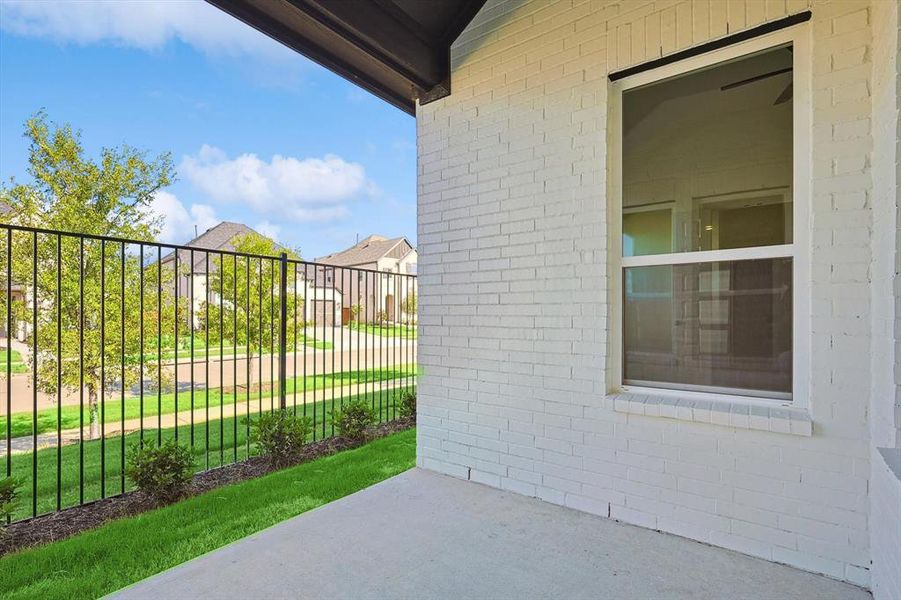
x=285, y=35
x=371, y=43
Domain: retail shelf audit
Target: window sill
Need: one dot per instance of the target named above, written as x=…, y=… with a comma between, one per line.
x=738, y=414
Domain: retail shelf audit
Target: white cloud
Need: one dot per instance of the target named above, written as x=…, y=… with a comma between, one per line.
x=143, y=24
x=178, y=222
x=270, y=230
x=300, y=190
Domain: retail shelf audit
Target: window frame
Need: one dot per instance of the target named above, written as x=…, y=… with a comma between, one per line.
x=798, y=37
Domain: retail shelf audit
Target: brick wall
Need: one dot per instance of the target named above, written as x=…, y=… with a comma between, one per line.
x=885, y=481
x=885, y=229
x=513, y=240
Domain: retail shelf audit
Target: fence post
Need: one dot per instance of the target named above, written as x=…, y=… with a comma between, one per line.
x=282, y=330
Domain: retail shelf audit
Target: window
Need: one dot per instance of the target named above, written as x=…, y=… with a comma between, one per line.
x=707, y=235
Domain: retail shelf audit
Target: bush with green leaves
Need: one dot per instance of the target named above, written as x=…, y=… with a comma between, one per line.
x=9, y=499
x=162, y=472
x=280, y=435
x=353, y=420
x=407, y=404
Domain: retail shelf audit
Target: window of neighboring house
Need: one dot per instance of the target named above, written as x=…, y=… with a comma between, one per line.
x=709, y=261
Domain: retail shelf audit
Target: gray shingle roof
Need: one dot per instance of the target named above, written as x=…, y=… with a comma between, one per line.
x=218, y=237
x=367, y=250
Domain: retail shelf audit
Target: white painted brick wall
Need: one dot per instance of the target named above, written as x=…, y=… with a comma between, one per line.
x=885, y=419
x=513, y=286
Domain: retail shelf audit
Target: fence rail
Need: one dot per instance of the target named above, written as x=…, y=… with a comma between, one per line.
x=108, y=343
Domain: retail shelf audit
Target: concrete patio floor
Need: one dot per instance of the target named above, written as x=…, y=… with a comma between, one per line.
x=424, y=535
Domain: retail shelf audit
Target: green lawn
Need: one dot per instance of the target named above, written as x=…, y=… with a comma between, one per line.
x=403, y=332
x=70, y=415
x=16, y=364
x=227, y=443
x=123, y=552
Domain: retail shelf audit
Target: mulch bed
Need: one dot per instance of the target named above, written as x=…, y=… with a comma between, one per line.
x=68, y=522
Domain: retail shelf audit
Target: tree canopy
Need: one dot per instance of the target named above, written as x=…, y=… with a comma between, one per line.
x=82, y=295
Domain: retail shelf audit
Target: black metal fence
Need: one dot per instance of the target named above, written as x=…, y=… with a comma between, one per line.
x=108, y=343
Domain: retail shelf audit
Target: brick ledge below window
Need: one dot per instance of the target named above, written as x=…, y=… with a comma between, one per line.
x=738, y=414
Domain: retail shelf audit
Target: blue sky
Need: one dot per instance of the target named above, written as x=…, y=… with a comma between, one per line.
x=258, y=134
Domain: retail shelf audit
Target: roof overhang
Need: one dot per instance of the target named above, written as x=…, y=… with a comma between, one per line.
x=397, y=49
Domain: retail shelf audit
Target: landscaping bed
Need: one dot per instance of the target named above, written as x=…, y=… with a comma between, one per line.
x=123, y=551
x=214, y=443
x=60, y=525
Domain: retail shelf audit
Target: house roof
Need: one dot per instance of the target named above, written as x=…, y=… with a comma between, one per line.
x=397, y=49
x=218, y=237
x=367, y=250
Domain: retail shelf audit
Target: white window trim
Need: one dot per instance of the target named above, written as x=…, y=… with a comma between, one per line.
x=799, y=37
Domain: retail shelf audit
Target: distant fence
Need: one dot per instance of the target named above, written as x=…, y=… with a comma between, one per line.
x=108, y=343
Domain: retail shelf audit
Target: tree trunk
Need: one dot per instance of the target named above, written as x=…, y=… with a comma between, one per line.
x=249, y=374
x=92, y=411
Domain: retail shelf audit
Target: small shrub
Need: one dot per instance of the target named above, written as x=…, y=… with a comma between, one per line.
x=280, y=436
x=407, y=404
x=162, y=472
x=9, y=500
x=353, y=421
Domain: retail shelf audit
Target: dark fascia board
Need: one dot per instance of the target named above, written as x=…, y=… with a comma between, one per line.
x=381, y=35
x=280, y=21
x=366, y=42
x=728, y=40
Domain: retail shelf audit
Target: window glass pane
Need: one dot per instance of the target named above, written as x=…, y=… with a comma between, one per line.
x=647, y=232
x=716, y=146
x=729, y=222
x=722, y=326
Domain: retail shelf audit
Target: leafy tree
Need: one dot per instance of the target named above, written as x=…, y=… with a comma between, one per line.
x=244, y=304
x=109, y=196
x=408, y=306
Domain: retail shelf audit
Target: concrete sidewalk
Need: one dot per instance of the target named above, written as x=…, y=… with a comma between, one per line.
x=424, y=535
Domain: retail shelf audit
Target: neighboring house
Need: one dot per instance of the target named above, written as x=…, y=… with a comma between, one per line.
x=194, y=276
x=323, y=304
x=222, y=237
x=382, y=286
x=660, y=253
x=17, y=291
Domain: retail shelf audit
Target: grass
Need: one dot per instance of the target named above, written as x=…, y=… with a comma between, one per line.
x=404, y=332
x=214, y=443
x=16, y=364
x=123, y=552
x=70, y=414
